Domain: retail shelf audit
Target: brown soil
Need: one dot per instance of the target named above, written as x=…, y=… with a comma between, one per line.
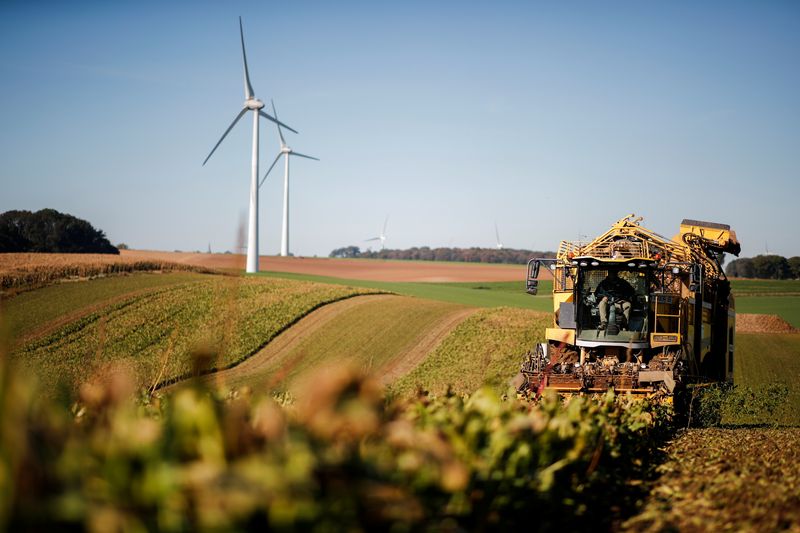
x=749, y=323
x=363, y=269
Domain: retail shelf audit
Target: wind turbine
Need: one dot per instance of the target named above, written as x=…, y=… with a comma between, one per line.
x=497, y=235
x=382, y=236
x=286, y=151
x=251, y=103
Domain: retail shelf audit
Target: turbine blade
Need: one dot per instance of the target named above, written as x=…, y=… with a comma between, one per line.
x=303, y=155
x=270, y=168
x=280, y=133
x=372, y=239
x=238, y=117
x=248, y=88
x=275, y=121
x=384, y=226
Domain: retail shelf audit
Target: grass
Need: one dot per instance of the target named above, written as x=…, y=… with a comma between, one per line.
x=156, y=332
x=480, y=294
x=767, y=359
x=30, y=310
x=486, y=348
x=750, y=287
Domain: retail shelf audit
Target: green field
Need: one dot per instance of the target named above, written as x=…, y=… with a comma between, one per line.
x=478, y=294
x=485, y=349
x=368, y=336
x=156, y=332
x=30, y=310
x=762, y=360
x=749, y=287
x=787, y=307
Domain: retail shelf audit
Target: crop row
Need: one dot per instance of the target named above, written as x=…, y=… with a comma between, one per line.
x=20, y=272
x=156, y=333
x=486, y=348
x=342, y=460
x=743, y=479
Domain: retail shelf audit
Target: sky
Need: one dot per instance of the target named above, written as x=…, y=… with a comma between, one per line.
x=551, y=120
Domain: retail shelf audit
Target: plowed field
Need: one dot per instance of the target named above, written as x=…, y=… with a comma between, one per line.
x=364, y=269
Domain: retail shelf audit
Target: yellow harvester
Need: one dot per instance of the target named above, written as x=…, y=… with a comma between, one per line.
x=675, y=327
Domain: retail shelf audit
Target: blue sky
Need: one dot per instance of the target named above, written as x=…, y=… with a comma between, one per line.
x=553, y=119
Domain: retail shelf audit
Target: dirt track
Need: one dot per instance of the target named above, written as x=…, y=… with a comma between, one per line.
x=400, y=366
x=364, y=269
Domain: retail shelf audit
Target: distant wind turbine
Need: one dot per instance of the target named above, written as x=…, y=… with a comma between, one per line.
x=382, y=236
x=497, y=235
x=286, y=151
x=255, y=105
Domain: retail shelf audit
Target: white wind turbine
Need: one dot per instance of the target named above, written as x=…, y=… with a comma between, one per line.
x=497, y=235
x=382, y=236
x=286, y=151
x=255, y=105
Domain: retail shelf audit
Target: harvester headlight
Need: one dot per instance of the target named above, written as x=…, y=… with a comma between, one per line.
x=595, y=263
x=575, y=263
x=631, y=265
x=584, y=263
x=642, y=265
x=675, y=270
x=552, y=266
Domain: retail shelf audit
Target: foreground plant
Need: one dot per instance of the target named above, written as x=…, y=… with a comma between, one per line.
x=340, y=459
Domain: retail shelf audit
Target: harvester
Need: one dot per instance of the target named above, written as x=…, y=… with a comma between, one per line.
x=636, y=312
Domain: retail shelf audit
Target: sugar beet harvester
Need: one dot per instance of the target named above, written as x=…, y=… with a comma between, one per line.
x=664, y=319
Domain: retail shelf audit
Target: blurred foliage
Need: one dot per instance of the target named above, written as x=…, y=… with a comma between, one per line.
x=342, y=459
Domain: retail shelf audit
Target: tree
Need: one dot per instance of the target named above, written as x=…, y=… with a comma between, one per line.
x=741, y=268
x=346, y=252
x=50, y=231
x=794, y=266
x=771, y=267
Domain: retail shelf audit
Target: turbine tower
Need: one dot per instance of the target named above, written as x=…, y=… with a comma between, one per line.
x=251, y=103
x=285, y=151
x=382, y=236
x=497, y=235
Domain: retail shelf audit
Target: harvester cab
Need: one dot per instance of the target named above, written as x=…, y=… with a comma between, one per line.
x=635, y=311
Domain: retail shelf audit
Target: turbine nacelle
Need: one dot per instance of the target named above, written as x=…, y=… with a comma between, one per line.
x=254, y=103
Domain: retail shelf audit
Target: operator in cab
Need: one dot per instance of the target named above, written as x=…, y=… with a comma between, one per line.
x=615, y=291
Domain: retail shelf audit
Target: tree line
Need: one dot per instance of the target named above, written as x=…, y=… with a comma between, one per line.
x=765, y=267
x=49, y=231
x=425, y=253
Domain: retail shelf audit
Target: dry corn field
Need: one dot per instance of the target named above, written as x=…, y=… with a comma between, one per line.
x=20, y=272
